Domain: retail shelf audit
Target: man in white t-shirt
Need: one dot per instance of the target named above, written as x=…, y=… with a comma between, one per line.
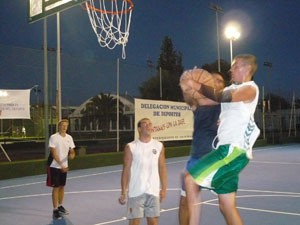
x=144, y=176
x=61, y=147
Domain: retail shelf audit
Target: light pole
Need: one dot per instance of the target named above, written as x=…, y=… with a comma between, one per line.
x=269, y=66
x=58, y=71
x=232, y=33
x=217, y=9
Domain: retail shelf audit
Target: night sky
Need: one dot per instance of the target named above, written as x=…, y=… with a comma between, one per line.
x=270, y=29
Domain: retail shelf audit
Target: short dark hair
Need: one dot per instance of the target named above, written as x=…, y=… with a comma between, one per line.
x=140, y=121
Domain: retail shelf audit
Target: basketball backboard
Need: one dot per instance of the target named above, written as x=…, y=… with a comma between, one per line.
x=39, y=9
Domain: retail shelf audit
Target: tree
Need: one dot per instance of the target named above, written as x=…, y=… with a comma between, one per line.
x=225, y=67
x=297, y=103
x=168, y=70
x=276, y=103
x=100, y=111
x=87, y=116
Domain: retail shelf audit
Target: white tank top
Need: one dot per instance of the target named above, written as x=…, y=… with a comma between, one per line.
x=237, y=121
x=144, y=176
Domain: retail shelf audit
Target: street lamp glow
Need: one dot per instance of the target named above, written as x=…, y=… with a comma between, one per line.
x=232, y=33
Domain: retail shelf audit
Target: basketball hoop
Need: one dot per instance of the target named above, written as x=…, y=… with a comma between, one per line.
x=110, y=20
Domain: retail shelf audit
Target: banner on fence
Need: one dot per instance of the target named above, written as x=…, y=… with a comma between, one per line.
x=15, y=104
x=171, y=120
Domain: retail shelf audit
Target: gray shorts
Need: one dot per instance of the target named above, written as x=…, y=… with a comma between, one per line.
x=144, y=205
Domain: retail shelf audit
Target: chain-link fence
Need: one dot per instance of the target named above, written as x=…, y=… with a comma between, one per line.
x=81, y=79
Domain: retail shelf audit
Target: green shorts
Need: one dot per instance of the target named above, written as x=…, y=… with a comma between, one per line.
x=219, y=170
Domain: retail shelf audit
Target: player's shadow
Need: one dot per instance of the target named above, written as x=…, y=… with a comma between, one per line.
x=62, y=221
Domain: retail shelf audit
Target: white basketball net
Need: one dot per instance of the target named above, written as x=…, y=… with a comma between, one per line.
x=110, y=20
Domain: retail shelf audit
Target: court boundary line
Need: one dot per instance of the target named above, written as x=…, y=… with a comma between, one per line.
x=258, y=149
x=168, y=189
x=208, y=202
x=118, y=171
x=212, y=201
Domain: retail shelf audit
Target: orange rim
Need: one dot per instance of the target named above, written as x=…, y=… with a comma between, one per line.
x=112, y=12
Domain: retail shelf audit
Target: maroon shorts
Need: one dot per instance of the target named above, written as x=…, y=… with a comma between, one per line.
x=55, y=178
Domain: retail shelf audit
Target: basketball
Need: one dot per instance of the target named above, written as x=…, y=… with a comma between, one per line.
x=198, y=75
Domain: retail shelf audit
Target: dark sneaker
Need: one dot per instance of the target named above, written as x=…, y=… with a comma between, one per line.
x=62, y=210
x=56, y=214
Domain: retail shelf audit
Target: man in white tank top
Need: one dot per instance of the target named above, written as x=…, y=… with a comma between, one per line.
x=237, y=132
x=144, y=176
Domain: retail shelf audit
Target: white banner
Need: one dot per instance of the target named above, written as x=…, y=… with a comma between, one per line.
x=15, y=104
x=171, y=120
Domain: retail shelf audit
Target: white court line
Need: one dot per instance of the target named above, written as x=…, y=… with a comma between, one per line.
x=69, y=178
x=76, y=177
x=173, y=162
x=118, y=171
x=24, y=196
x=274, y=147
x=277, y=163
x=112, y=221
x=262, y=210
x=274, y=192
x=270, y=211
x=124, y=218
x=21, y=185
x=208, y=202
x=73, y=192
